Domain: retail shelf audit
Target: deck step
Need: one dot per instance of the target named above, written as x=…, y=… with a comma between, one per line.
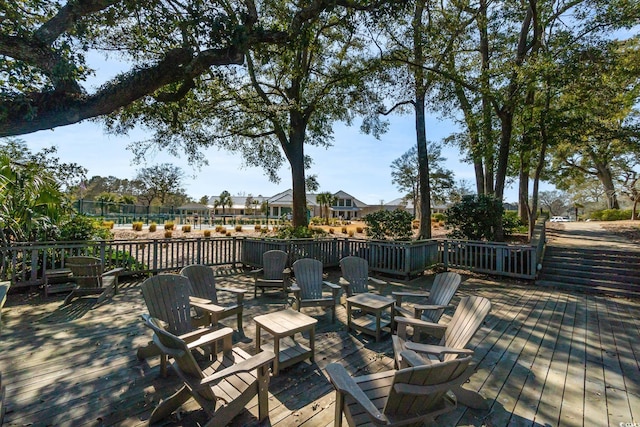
x=592, y=270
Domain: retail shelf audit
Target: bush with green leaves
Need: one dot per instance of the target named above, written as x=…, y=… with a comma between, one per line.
x=82, y=227
x=289, y=232
x=393, y=225
x=475, y=217
x=611, y=215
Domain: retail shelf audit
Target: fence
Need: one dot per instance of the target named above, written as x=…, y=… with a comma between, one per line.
x=25, y=263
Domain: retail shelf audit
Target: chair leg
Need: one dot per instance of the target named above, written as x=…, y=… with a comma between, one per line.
x=240, y=329
x=167, y=406
x=263, y=392
x=338, y=407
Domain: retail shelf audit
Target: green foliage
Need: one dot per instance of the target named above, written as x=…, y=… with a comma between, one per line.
x=291, y=232
x=439, y=216
x=611, y=214
x=81, y=227
x=394, y=225
x=475, y=217
x=511, y=223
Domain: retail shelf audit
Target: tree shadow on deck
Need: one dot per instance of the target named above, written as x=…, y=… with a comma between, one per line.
x=66, y=313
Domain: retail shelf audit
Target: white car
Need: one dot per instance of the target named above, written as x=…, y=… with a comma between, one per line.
x=559, y=219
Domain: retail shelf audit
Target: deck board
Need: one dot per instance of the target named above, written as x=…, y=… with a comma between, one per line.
x=544, y=356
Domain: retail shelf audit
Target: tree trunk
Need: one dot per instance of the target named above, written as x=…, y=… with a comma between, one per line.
x=606, y=178
x=487, y=128
x=421, y=135
x=294, y=150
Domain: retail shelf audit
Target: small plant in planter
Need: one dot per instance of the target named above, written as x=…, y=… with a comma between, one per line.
x=169, y=225
x=228, y=234
x=238, y=228
x=152, y=227
x=186, y=229
x=207, y=233
x=167, y=234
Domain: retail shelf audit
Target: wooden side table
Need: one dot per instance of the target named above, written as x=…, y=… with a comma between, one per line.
x=282, y=324
x=372, y=305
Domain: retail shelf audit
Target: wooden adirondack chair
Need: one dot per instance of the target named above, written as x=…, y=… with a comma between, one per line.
x=406, y=397
x=273, y=273
x=355, y=276
x=223, y=388
x=205, y=294
x=467, y=319
x=90, y=279
x=167, y=299
x=433, y=304
x=307, y=289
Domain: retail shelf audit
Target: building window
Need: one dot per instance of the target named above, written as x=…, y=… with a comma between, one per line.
x=348, y=202
x=340, y=202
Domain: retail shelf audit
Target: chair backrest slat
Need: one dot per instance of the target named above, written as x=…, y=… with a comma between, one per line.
x=167, y=299
x=203, y=281
x=424, y=375
x=273, y=264
x=444, y=287
x=86, y=271
x=467, y=319
x=308, y=273
x=355, y=270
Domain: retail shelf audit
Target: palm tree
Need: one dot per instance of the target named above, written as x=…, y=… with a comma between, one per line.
x=325, y=200
x=31, y=203
x=224, y=200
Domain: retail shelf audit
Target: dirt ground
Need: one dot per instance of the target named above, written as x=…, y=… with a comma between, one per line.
x=126, y=233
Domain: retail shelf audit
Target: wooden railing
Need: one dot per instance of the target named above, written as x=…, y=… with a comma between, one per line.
x=492, y=258
x=24, y=264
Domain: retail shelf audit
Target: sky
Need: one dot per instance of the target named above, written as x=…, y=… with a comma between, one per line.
x=357, y=163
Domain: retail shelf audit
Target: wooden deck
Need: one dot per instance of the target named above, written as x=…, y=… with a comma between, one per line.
x=546, y=358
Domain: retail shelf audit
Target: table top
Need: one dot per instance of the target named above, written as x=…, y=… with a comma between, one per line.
x=370, y=300
x=285, y=321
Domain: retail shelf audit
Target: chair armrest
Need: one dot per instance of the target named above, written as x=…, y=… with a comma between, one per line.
x=247, y=365
x=435, y=329
x=331, y=285
x=411, y=358
x=232, y=290
x=256, y=272
x=378, y=281
x=422, y=307
x=216, y=334
x=344, y=384
x=201, y=337
x=113, y=272
x=437, y=350
x=205, y=305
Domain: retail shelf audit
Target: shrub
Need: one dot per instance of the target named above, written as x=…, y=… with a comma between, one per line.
x=137, y=226
x=257, y=227
x=611, y=214
x=169, y=225
x=186, y=228
x=238, y=228
x=440, y=217
x=359, y=230
x=207, y=233
x=316, y=220
x=152, y=227
x=228, y=234
x=350, y=233
x=395, y=225
x=223, y=230
x=297, y=232
x=331, y=230
x=108, y=224
x=82, y=227
x=167, y=234
x=475, y=217
x=218, y=228
x=344, y=230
